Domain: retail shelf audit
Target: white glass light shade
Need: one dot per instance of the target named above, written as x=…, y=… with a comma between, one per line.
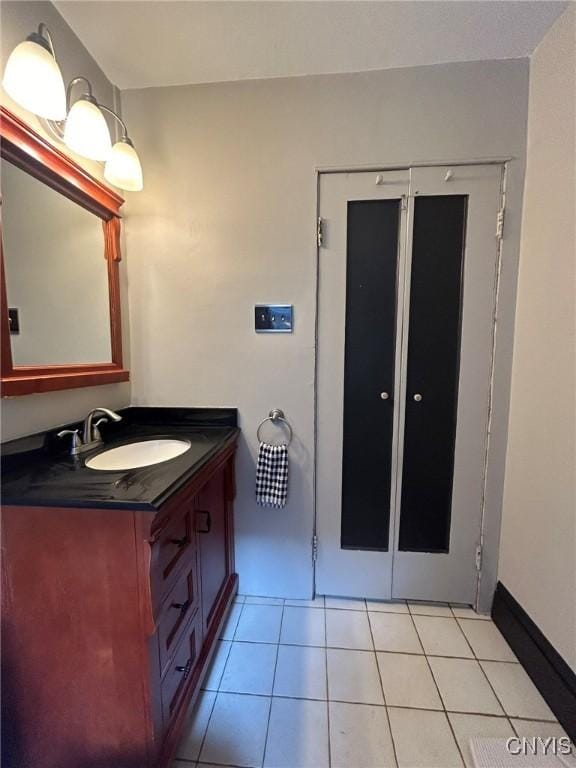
x=33, y=79
x=86, y=131
x=123, y=168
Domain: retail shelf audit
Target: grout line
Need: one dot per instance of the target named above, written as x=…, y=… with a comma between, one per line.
x=390, y=706
x=225, y=664
x=216, y=693
x=483, y=671
x=493, y=689
x=238, y=622
x=383, y=694
x=327, y=685
x=514, y=729
x=272, y=690
x=440, y=694
x=379, y=650
x=203, y=739
x=515, y=660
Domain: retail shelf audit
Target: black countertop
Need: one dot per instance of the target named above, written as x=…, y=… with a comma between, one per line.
x=39, y=471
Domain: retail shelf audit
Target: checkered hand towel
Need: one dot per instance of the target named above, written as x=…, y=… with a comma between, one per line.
x=272, y=475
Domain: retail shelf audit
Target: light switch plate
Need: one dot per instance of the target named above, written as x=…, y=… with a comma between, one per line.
x=273, y=318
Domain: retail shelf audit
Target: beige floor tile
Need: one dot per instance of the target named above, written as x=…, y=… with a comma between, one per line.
x=387, y=606
x=212, y=679
x=531, y=728
x=360, y=737
x=195, y=727
x=467, y=727
x=353, y=676
x=298, y=734
x=394, y=632
x=516, y=692
x=442, y=637
x=236, y=733
x=345, y=603
x=423, y=739
x=301, y=672
x=303, y=626
x=407, y=681
x=419, y=608
x=249, y=669
x=348, y=629
x=467, y=612
x=317, y=602
x=229, y=628
x=486, y=640
x=253, y=600
x=463, y=686
x=259, y=624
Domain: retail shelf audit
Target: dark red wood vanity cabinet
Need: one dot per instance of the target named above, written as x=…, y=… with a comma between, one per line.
x=109, y=620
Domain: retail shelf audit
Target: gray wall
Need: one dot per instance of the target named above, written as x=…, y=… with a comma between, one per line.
x=538, y=553
x=227, y=219
x=23, y=415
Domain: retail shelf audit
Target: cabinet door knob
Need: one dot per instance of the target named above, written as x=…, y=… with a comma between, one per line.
x=417, y=397
x=384, y=395
x=181, y=606
x=180, y=542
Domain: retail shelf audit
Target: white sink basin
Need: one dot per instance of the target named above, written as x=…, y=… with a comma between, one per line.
x=142, y=454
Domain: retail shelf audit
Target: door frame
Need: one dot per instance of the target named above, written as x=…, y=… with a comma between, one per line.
x=500, y=378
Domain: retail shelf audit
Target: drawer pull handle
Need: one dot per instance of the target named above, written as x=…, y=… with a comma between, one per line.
x=180, y=542
x=185, y=669
x=208, y=522
x=181, y=606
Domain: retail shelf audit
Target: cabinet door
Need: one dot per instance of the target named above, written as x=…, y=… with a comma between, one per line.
x=211, y=525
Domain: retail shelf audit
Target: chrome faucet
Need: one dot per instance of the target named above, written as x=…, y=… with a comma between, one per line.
x=91, y=437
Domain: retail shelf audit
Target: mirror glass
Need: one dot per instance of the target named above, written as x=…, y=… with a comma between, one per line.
x=56, y=275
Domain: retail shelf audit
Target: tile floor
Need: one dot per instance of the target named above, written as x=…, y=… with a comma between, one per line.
x=358, y=684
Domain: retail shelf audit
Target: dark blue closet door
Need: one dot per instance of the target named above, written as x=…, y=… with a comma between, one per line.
x=371, y=297
x=432, y=372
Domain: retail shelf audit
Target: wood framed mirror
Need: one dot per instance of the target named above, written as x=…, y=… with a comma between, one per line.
x=60, y=289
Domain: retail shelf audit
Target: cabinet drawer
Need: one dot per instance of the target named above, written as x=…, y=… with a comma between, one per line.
x=176, y=545
x=181, y=667
x=180, y=606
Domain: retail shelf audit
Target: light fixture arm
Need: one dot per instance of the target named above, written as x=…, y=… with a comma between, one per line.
x=117, y=117
x=88, y=94
x=44, y=33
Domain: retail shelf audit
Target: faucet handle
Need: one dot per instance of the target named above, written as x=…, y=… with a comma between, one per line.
x=95, y=431
x=76, y=439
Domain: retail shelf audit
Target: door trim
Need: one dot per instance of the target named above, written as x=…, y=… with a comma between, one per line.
x=491, y=517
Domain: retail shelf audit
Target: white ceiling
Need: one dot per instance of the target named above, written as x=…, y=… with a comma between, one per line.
x=142, y=44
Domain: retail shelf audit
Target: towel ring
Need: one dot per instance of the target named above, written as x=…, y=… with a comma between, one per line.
x=275, y=415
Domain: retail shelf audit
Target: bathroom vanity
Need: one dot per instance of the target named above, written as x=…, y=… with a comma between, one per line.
x=115, y=586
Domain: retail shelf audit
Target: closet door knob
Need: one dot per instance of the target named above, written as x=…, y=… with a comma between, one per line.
x=384, y=395
x=417, y=397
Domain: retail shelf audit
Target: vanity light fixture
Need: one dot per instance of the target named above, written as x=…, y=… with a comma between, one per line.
x=123, y=168
x=33, y=79
x=32, y=76
x=86, y=131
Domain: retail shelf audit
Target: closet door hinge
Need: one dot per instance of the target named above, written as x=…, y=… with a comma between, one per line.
x=479, y=558
x=320, y=232
x=314, y=548
x=500, y=223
